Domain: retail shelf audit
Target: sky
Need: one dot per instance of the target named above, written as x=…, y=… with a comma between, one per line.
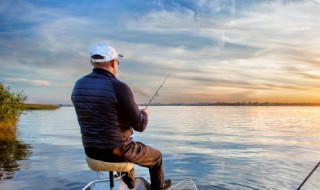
x=215, y=50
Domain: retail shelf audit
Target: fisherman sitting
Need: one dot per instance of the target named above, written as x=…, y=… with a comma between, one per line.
x=107, y=115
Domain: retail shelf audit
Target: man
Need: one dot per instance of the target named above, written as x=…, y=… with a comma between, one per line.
x=107, y=115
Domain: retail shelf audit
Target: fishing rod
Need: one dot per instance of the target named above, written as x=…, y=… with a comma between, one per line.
x=158, y=90
x=308, y=175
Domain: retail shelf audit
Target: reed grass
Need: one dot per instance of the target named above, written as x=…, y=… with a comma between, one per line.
x=40, y=107
x=11, y=106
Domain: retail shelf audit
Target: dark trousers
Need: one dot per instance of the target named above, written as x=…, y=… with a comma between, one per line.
x=137, y=153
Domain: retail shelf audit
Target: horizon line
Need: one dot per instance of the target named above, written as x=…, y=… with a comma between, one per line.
x=243, y=103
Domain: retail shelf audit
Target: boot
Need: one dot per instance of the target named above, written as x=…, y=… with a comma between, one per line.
x=129, y=178
x=167, y=184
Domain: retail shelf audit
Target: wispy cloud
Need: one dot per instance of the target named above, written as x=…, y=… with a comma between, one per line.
x=37, y=82
x=33, y=82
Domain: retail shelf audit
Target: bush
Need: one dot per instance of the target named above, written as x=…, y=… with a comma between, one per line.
x=11, y=149
x=11, y=105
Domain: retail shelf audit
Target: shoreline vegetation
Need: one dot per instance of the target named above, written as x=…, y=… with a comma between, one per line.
x=11, y=106
x=40, y=107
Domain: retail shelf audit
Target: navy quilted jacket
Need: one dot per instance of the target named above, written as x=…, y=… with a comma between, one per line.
x=106, y=110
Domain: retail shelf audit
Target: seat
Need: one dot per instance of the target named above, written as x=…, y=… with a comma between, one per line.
x=97, y=165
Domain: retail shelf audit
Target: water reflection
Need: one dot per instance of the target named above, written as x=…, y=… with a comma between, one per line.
x=11, y=152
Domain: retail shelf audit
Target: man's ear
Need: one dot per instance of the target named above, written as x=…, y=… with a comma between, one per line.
x=114, y=63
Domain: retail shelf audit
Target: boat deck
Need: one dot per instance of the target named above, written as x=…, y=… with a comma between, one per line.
x=140, y=185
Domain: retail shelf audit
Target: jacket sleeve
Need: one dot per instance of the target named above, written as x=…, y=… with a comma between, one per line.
x=128, y=108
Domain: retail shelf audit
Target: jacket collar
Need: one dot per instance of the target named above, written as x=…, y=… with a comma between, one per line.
x=103, y=71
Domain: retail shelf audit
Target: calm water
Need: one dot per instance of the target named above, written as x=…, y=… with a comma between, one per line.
x=216, y=147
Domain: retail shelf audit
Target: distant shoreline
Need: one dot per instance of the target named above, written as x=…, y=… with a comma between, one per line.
x=235, y=104
x=40, y=107
x=215, y=104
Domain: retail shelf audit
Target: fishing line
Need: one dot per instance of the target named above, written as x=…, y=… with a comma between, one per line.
x=314, y=169
x=158, y=90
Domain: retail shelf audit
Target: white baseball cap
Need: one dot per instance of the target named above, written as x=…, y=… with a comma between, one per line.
x=106, y=51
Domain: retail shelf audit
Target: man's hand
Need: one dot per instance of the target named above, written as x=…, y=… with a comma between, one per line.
x=146, y=110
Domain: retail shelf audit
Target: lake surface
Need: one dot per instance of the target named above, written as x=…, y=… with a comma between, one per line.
x=216, y=147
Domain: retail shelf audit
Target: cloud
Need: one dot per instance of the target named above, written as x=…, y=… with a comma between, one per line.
x=33, y=82
x=37, y=82
x=237, y=46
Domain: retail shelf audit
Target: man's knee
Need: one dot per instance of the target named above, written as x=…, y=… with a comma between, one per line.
x=156, y=154
x=158, y=158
